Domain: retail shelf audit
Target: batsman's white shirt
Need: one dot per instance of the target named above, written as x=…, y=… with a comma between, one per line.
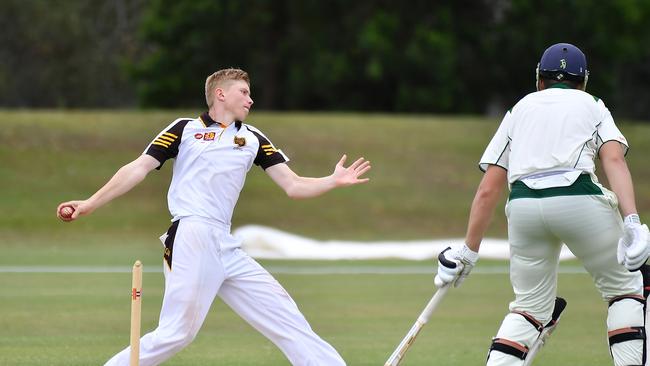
x=547, y=143
x=549, y=131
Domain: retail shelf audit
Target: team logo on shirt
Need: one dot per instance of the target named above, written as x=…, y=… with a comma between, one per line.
x=240, y=141
x=208, y=136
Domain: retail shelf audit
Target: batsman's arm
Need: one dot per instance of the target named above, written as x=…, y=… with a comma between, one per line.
x=298, y=187
x=123, y=181
x=620, y=180
x=485, y=200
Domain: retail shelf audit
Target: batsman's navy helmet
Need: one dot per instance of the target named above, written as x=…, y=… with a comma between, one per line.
x=563, y=61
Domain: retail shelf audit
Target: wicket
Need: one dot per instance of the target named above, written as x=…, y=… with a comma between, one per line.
x=136, y=305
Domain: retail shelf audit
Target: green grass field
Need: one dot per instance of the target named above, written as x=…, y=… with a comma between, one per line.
x=82, y=319
x=422, y=183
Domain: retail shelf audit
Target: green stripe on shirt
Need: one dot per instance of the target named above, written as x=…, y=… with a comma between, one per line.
x=583, y=186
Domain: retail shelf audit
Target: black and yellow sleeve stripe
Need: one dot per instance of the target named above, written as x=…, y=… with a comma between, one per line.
x=267, y=154
x=268, y=149
x=165, y=145
x=165, y=140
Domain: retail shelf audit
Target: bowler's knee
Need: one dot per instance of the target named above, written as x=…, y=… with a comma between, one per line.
x=176, y=340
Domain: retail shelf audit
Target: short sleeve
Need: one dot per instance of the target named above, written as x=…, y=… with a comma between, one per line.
x=267, y=154
x=607, y=129
x=498, y=150
x=165, y=145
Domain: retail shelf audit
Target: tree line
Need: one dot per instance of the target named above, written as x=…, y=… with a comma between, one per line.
x=447, y=56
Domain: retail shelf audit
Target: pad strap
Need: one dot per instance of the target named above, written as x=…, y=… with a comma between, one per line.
x=536, y=324
x=625, y=334
x=509, y=347
x=638, y=298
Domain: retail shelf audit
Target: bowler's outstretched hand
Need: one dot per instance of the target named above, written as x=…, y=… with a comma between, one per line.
x=348, y=176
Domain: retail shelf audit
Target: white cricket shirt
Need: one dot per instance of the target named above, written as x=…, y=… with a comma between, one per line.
x=552, y=136
x=210, y=166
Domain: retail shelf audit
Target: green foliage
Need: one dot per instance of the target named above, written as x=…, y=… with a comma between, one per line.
x=614, y=46
x=418, y=56
x=66, y=53
x=307, y=55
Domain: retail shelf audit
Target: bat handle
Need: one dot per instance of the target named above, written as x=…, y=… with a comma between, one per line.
x=433, y=304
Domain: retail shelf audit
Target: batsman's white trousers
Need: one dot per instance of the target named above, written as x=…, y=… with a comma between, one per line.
x=590, y=225
x=206, y=262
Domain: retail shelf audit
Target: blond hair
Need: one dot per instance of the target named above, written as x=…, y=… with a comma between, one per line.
x=220, y=79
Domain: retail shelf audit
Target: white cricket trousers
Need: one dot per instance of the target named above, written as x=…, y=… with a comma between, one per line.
x=206, y=262
x=590, y=225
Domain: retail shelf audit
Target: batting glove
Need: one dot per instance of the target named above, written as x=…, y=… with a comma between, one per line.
x=633, y=247
x=454, y=264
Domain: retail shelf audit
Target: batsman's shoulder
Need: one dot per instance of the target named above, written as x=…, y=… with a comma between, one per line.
x=599, y=102
x=528, y=98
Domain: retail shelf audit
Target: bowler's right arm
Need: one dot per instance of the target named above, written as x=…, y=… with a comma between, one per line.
x=123, y=181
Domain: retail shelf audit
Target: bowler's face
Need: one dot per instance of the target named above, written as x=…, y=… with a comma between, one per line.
x=238, y=99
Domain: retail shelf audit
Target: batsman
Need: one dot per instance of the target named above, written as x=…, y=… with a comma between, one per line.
x=544, y=149
x=212, y=154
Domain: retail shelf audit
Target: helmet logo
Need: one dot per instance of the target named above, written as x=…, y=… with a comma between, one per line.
x=563, y=64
